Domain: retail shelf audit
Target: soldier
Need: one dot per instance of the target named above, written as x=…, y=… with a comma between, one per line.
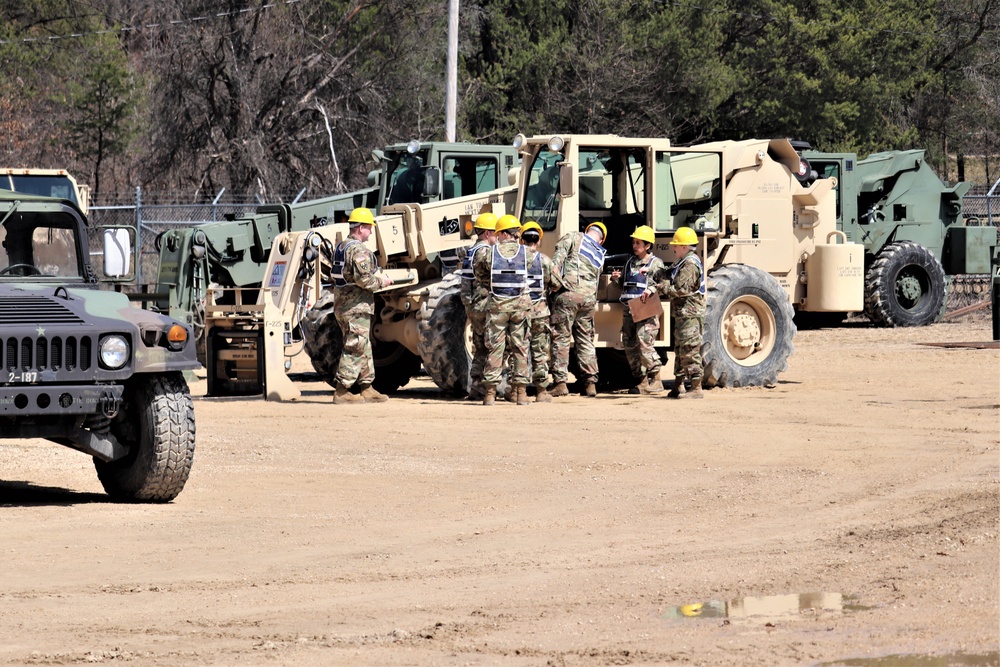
x=505, y=270
x=356, y=276
x=542, y=281
x=639, y=337
x=686, y=291
x=475, y=297
x=578, y=260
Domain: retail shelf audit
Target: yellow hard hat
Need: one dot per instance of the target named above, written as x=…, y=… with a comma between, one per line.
x=507, y=222
x=684, y=236
x=487, y=221
x=361, y=216
x=644, y=233
x=599, y=225
x=532, y=225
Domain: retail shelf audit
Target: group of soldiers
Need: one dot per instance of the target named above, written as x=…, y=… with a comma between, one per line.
x=527, y=310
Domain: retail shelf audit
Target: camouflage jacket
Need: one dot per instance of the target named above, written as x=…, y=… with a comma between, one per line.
x=362, y=275
x=682, y=285
x=482, y=264
x=578, y=275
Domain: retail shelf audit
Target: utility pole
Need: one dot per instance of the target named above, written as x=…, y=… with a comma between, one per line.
x=451, y=91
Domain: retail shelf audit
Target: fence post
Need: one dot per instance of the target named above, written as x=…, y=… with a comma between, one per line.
x=138, y=234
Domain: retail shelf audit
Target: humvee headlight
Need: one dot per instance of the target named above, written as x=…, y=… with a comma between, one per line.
x=519, y=141
x=556, y=144
x=412, y=146
x=114, y=352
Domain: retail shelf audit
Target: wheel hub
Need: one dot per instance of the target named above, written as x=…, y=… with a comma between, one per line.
x=908, y=288
x=743, y=327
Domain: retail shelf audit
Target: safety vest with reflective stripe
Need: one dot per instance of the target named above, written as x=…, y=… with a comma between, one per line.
x=701, y=269
x=593, y=251
x=633, y=281
x=466, y=271
x=536, y=279
x=509, y=277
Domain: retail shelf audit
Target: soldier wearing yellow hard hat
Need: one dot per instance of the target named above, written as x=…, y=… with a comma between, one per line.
x=505, y=270
x=639, y=336
x=542, y=281
x=475, y=298
x=578, y=260
x=686, y=290
x=356, y=276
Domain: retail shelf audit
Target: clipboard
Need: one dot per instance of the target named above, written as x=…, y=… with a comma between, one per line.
x=643, y=311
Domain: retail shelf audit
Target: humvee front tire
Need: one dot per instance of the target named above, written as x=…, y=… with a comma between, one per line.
x=445, y=336
x=156, y=423
x=748, y=328
x=905, y=286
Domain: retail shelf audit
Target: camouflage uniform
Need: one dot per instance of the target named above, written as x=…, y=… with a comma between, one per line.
x=639, y=338
x=475, y=297
x=573, y=308
x=540, y=328
x=354, y=308
x=686, y=290
x=506, y=317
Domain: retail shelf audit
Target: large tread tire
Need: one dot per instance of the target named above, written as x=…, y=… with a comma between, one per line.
x=156, y=423
x=749, y=328
x=905, y=286
x=444, y=330
x=324, y=343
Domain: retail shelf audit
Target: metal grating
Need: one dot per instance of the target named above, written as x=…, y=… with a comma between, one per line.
x=57, y=354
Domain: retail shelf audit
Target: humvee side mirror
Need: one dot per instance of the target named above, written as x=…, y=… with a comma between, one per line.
x=119, y=250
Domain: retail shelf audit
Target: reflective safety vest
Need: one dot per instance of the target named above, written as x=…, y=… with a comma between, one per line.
x=466, y=271
x=593, y=251
x=509, y=277
x=694, y=258
x=633, y=282
x=536, y=279
x=340, y=260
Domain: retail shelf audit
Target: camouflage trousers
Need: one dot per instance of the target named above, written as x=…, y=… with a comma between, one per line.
x=573, y=324
x=506, y=333
x=639, y=340
x=356, y=363
x=688, y=337
x=478, y=323
x=541, y=348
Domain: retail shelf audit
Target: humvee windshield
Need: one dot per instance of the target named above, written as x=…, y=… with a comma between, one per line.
x=39, y=245
x=59, y=187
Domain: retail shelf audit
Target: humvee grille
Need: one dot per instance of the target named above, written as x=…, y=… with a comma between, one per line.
x=61, y=354
x=34, y=310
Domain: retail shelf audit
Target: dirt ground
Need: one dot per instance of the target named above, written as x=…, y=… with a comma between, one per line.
x=849, y=513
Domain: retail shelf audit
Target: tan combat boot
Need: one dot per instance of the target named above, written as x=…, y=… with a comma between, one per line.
x=559, y=389
x=490, y=397
x=542, y=395
x=678, y=389
x=589, y=389
x=372, y=395
x=511, y=395
x=695, y=390
x=653, y=384
x=522, y=394
x=343, y=396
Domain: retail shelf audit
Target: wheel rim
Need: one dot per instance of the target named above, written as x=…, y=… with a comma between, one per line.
x=748, y=330
x=467, y=337
x=911, y=286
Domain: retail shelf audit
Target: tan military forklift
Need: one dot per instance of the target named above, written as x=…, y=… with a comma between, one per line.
x=770, y=245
